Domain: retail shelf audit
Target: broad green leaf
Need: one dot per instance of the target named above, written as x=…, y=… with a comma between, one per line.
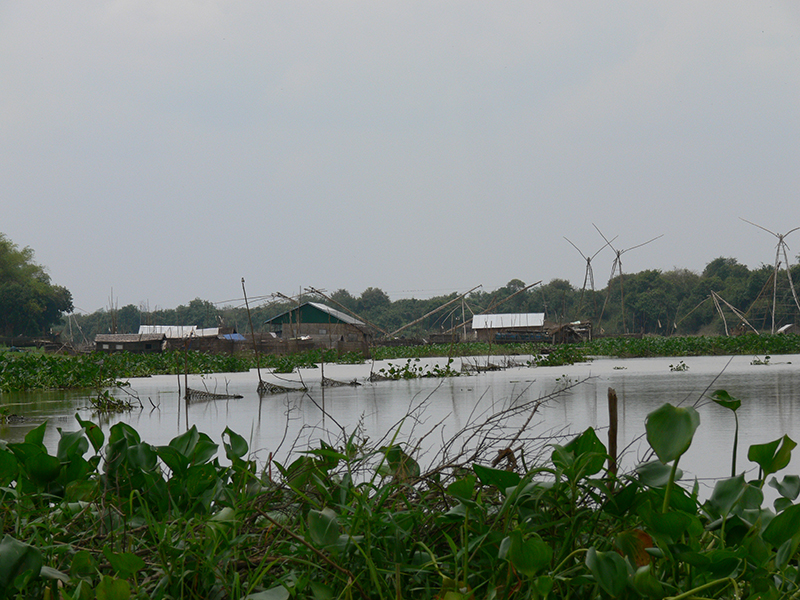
x=320, y=591
x=788, y=488
x=772, y=456
x=43, y=468
x=93, y=432
x=499, y=478
x=400, y=463
x=670, y=431
x=276, y=593
x=609, y=570
x=123, y=431
x=204, y=451
x=16, y=559
x=784, y=526
x=175, y=461
x=111, y=588
x=529, y=556
x=589, y=452
x=323, y=527
x=83, y=564
x=655, y=474
x=236, y=446
x=36, y=436
x=9, y=467
x=726, y=493
x=462, y=488
x=725, y=400
x=143, y=457
x=185, y=443
x=646, y=584
x=125, y=564
x=71, y=444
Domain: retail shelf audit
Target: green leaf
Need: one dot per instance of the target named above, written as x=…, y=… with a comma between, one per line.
x=784, y=526
x=725, y=400
x=93, y=432
x=655, y=474
x=43, y=468
x=463, y=488
x=236, y=446
x=772, y=456
x=670, y=431
x=589, y=452
x=36, y=436
x=726, y=493
x=125, y=564
x=83, y=564
x=111, y=588
x=499, y=478
x=400, y=463
x=9, y=468
x=184, y=444
x=276, y=593
x=323, y=527
x=646, y=584
x=71, y=444
x=320, y=591
x=609, y=569
x=788, y=488
x=16, y=559
x=528, y=556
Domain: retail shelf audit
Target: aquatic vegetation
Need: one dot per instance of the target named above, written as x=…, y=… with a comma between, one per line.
x=119, y=518
x=679, y=368
x=412, y=369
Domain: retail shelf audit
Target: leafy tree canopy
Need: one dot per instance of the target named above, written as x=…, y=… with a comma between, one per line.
x=29, y=303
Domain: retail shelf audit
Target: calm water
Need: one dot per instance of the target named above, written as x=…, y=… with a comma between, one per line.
x=437, y=410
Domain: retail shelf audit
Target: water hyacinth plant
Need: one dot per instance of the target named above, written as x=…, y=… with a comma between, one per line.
x=111, y=516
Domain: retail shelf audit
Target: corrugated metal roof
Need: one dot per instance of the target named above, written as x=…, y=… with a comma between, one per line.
x=128, y=337
x=171, y=331
x=337, y=313
x=508, y=321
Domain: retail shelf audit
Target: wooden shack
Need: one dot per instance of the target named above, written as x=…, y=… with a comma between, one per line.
x=137, y=343
x=326, y=326
x=510, y=327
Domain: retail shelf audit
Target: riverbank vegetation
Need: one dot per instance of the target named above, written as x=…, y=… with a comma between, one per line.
x=501, y=515
x=655, y=302
x=38, y=370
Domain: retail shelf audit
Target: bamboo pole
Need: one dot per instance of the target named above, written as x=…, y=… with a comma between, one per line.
x=612, y=434
x=347, y=310
x=252, y=335
x=434, y=311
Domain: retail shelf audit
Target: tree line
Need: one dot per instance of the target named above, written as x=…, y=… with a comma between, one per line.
x=680, y=302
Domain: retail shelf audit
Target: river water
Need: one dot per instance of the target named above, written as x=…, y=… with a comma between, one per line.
x=517, y=405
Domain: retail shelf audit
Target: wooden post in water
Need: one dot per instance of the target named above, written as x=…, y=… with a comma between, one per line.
x=612, y=436
x=253, y=335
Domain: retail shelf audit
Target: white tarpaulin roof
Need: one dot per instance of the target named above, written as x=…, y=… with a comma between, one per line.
x=508, y=321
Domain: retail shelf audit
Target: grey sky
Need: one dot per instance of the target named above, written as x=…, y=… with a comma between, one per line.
x=167, y=149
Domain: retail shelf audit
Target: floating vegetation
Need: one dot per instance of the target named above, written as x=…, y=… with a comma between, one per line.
x=680, y=367
x=508, y=515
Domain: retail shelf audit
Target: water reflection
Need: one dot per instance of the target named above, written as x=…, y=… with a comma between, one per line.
x=438, y=409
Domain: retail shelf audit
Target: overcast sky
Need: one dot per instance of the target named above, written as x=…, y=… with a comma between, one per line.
x=165, y=150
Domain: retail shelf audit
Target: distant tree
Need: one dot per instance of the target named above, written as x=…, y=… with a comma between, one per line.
x=345, y=298
x=373, y=299
x=128, y=319
x=29, y=303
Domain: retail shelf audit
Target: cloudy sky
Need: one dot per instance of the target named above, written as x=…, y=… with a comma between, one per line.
x=165, y=150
